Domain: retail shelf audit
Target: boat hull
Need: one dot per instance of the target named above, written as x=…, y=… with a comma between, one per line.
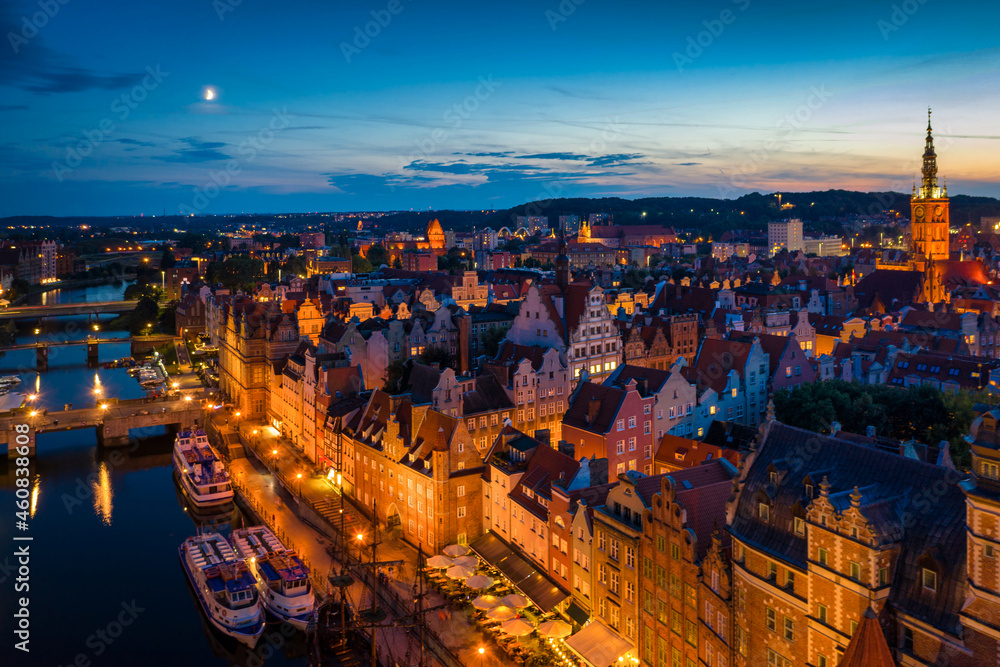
x=247, y=635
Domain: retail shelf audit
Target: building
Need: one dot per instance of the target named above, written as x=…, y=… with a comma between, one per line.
x=189, y=316
x=419, y=260
x=255, y=338
x=657, y=342
x=825, y=246
x=685, y=588
x=36, y=260
x=416, y=470
x=326, y=264
x=433, y=241
x=825, y=527
x=785, y=235
x=573, y=319
x=614, y=423
x=177, y=278
x=312, y=240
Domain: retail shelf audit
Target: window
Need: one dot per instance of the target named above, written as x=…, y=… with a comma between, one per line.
x=629, y=591
x=777, y=660
x=460, y=491
x=675, y=551
x=764, y=511
x=613, y=553
x=772, y=571
x=461, y=511
x=823, y=556
x=906, y=639
x=629, y=557
x=615, y=618
x=821, y=613
x=800, y=526
x=676, y=621
x=789, y=629
x=929, y=578
x=600, y=540
x=771, y=620
x=620, y=425
x=883, y=576
x=855, y=571
x=691, y=633
x=989, y=551
x=789, y=579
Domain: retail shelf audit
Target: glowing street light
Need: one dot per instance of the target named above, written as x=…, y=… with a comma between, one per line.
x=187, y=399
x=299, y=477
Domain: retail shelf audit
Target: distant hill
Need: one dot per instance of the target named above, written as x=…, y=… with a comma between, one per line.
x=817, y=209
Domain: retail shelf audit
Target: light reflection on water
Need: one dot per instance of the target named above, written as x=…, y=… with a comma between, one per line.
x=103, y=494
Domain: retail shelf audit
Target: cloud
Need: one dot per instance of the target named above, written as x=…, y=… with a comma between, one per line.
x=488, y=154
x=686, y=164
x=134, y=142
x=553, y=156
x=616, y=160
x=198, y=151
x=32, y=66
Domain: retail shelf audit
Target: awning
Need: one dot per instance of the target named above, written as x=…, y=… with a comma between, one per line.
x=576, y=612
x=521, y=573
x=490, y=548
x=598, y=645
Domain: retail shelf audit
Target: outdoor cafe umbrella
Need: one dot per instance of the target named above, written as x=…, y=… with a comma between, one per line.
x=439, y=562
x=517, y=627
x=479, y=581
x=485, y=602
x=554, y=629
x=460, y=572
x=516, y=600
x=454, y=550
x=467, y=561
x=501, y=613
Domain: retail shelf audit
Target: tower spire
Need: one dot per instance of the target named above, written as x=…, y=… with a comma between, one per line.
x=928, y=183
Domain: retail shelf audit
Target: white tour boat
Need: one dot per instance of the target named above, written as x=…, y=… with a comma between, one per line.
x=282, y=578
x=202, y=474
x=224, y=586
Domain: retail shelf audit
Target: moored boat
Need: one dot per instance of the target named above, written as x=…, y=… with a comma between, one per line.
x=282, y=577
x=224, y=586
x=202, y=474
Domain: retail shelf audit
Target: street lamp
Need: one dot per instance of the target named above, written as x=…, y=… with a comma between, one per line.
x=274, y=458
x=361, y=538
x=482, y=651
x=299, y=477
x=187, y=398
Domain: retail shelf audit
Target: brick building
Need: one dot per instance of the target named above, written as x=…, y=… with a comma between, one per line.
x=612, y=422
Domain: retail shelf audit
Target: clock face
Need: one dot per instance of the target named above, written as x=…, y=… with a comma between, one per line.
x=918, y=211
x=938, y=211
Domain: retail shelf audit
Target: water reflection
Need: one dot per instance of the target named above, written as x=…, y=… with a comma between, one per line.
x=35, y=490
x=103, y=494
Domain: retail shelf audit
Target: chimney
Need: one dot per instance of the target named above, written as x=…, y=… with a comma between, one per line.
x=544, y=436
x=640, y=386
x=567, y=448
x=592, y=409
x=598, y=472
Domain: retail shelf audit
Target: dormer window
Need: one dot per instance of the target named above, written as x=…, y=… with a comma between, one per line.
x=764, y=511
x=774, y=477
x=929, y=579
x=809, y=490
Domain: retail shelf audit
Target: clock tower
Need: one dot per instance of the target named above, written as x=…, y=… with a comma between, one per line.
x=930, y=223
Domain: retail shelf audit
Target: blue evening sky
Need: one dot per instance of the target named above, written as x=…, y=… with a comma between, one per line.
x=482, y=104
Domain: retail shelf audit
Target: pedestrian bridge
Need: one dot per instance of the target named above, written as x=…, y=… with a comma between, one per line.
x=56, y=309
x=113, y=420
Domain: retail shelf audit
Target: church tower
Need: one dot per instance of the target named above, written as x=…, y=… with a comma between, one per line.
x=930, y=223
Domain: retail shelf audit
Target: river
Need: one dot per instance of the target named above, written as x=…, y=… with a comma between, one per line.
x=106, y=584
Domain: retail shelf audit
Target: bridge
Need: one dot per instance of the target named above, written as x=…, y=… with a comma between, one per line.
x=93, y=343
x=112, y=419
x=57, y=309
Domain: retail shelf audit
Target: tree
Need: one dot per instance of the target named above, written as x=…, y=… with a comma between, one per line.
x=396, y=263
x=376, y=254
x=167, y=261
x=360, y=265
x=393, y=376
x=139, y=290
x=435, y=354
x=491, y=339
x=239, y=271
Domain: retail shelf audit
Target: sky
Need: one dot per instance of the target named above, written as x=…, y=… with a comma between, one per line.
x=416, y=104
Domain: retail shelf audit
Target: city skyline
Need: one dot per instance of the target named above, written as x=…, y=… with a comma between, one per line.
x=484, y=108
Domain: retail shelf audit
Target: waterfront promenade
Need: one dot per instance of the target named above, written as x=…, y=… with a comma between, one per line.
x=270, y=483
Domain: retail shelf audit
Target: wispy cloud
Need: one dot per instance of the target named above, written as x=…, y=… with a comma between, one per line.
x=197, y=151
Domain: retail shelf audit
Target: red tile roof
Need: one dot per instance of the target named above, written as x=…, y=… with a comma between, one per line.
x=868, y=647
